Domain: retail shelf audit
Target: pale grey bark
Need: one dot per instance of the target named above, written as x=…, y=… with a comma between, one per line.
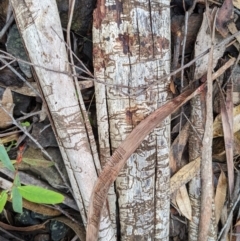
x=132, y=48
x=41, y=30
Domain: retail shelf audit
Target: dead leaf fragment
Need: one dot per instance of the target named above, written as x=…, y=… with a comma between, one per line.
x=237, y=223
x=184, y=203
x=184, y=175
x=177, y=148
x=217, y=124
x=203, y=42
x=220, y=196
x=225, y=14
x=236, y=3
x=6, y=106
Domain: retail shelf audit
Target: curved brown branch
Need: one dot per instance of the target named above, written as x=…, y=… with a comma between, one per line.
x=121, y=155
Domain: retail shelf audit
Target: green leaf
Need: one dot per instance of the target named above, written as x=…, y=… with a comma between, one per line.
x=3, y=200
x=16, y=181
x=25, y=124
x=16, y=200
x=38, y=162
x=40, y=195
x=2, y=165
x=5, y=159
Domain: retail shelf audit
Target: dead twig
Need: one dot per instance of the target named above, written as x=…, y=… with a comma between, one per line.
x=223, y=233
x=6, y=26
x=134, y=90
x=20, y=76
x=206, y=164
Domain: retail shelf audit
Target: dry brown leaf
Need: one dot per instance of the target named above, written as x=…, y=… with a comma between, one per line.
x=6, y=105
x=184, y=203
x=38, y=208
x=236, y=143
x=236, y=3
x=217, y=124
x=177, y=148
x=184, y=175
x=203, y=42
x=233, y=29
x=220, y=196
x=172, y=87
x=237, y=223
x=23, y=229
x=225, y=14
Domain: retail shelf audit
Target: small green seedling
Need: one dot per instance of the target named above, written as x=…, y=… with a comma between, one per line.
x=25, y=124
x=17, y=192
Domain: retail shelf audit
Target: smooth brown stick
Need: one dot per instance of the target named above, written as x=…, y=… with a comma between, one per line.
x=127, y=147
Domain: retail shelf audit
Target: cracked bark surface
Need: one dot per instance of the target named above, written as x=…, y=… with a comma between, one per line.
x=131, y=47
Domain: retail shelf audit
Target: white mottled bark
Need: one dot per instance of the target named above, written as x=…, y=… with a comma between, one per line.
x=40, y=27
x=132, y=48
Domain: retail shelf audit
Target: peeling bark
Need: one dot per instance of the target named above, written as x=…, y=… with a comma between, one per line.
x=132, y=48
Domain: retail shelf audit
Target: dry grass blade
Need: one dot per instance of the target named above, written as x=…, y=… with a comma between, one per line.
x=227, y=123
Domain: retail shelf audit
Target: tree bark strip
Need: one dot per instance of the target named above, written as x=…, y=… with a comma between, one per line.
x=40, y=27
x=132, y=47
x=195, y=146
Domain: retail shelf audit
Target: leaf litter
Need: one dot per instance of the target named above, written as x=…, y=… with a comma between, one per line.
x=222, y=127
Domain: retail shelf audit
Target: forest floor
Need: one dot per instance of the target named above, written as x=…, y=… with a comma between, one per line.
x=22, y=112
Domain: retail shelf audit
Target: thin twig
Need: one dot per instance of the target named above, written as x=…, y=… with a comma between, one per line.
x=6, y=26
x=142, y=88
x=193, y=128
x=20, y=76
x=184, y=45
x=206, y=163
x=228, y=222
